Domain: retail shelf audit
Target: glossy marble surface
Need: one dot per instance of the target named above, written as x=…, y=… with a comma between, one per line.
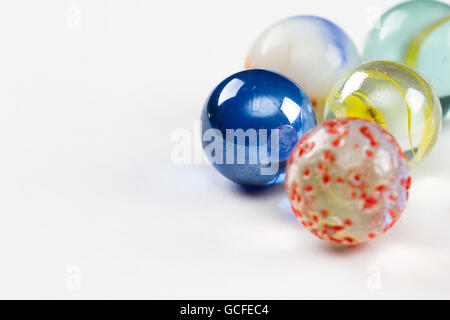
x=394, y=96
x=416, y=33
x=312, y=51
x=347, y=181
x=269, y=108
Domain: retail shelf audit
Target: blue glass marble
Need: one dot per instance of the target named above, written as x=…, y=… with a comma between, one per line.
x=250, y=124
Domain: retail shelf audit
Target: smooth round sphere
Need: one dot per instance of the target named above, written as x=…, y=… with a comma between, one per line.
x=395, y=97
x=347, y=181
x=312, y=51
x=416, y=33
x=250, y=124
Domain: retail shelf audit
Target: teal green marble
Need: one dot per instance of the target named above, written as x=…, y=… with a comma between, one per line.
x=416, y=33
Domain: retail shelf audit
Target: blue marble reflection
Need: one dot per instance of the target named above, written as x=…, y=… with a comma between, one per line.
x=250, y=124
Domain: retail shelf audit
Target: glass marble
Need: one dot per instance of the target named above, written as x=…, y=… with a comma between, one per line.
x=416, y=33
x=395, y=97
x=347, y=181
x=251, y=122
x=312, y=51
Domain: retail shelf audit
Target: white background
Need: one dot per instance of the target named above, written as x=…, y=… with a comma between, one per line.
x=91, y=204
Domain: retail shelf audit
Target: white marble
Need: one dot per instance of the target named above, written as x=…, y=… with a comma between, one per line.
x=310, y=50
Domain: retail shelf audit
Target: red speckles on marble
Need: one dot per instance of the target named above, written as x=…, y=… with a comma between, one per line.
x=337, y=142
x=332, y=126
x=393, y=198
x=349, y=239
x=365, y=131
x=343, y=197
x=408, y=183
x=336, y=228
x=389, y=226
x=308, y=147
x=320, y=166
x=392, y=214
x=370, y=202
x=328, y=156
x=370, y=153
x=306, y=172
x=324, y=213
x=296, y=212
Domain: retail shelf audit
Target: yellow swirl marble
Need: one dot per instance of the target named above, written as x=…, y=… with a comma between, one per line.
x=395, y=97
